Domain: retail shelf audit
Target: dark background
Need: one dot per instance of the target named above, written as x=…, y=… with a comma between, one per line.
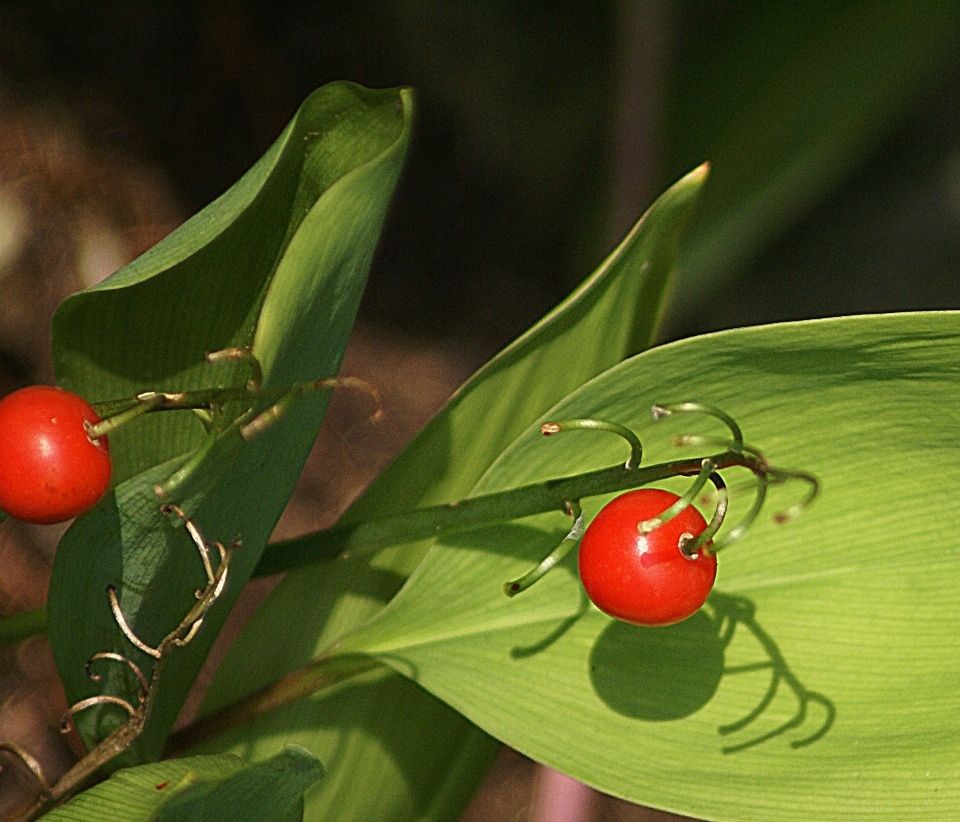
x=542, y=132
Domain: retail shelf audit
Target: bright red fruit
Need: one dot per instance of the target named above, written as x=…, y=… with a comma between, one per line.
x=50, y=470
x=644, y=578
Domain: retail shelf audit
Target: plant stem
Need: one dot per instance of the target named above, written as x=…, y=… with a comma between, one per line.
x=117, y=413
x=18, y=627
x=316, y=675
x=422, y=523
x=410, y=526
x=515, y=503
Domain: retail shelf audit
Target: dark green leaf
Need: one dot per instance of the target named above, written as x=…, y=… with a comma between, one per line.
x=785, y=104
x=279, y=263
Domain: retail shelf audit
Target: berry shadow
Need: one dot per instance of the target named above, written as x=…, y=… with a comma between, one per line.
x=668, y=673
x=658, y=674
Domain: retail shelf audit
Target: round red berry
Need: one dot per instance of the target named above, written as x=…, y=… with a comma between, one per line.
x=644, y=578
x=50, y=470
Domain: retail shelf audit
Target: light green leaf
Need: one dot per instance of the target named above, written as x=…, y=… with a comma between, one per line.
x=853, y=607
x=785, y=107
x=279, y=262
x=200, y=789
x=613, y=314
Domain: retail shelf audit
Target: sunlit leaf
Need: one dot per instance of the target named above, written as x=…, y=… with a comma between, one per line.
x=208, y=788
x=849, y=612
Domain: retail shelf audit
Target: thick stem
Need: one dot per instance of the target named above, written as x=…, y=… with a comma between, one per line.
x=427, y=522
x=422, y=523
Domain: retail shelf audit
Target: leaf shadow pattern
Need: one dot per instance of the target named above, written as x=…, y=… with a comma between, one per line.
x=733, y=611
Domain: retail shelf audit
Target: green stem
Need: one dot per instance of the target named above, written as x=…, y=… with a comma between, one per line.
x=691, y=547
x=660, y=411
x=516, y=586
x=116, y=413
x=516, y=503
x=18, y=627
x=684, y=502
x=422, y=523
x=779, y=476
x=586, y=424
x=115, y=421
x=741, y=528
x=322, y=672
x=183, y=400
x=243, y=355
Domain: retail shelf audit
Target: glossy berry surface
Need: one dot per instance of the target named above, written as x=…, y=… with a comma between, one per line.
x=50, y=470
x=640, y=578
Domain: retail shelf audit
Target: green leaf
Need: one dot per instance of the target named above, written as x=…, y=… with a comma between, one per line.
x=852, y=607
x=613, y=314
x=279, y=263
x=200, y=789
x=392, y=750
x=790, y=100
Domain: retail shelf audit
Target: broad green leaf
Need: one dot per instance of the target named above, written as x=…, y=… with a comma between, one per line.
x=785, y=106
x=613, y=314
x=855, y=603
x=199, y=788
x=279, y=263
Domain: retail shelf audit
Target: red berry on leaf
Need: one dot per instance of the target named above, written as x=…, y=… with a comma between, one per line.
x=644, y=578
x=50, y=470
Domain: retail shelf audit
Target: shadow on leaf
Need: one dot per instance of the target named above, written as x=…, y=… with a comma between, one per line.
x=658, y=674
x=522, y=652
x=668, y=673
x=733, y=611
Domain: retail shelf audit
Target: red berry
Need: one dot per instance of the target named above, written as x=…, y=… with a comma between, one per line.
x=50, y=470
x=644, y=578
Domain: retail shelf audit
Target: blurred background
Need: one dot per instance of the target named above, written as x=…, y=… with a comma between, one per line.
x=542, y=132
